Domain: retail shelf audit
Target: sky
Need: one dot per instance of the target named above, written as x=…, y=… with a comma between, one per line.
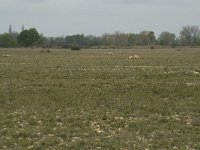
x=96, y=17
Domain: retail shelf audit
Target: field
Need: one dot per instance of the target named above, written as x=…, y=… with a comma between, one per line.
x=100, y=99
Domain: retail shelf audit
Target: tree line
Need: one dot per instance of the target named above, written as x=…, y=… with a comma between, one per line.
x=189, y=36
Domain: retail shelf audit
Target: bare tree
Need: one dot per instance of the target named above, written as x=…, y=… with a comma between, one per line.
x=146, y=37
x=189, y=35
x=10, y=29
x=167, y=38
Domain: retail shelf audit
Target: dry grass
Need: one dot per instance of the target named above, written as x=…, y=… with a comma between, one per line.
x=88, y=100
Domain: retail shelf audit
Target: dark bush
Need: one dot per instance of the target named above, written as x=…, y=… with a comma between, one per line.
x=65, y=47
x=77, y=48
x=48, y=51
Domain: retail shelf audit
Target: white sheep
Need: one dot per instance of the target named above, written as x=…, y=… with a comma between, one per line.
x=134, y=57
x=5, y=55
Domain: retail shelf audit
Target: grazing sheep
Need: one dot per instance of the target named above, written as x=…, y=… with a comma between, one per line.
x=6, y=55
x=109, y=53
x=134, y=57
x=195, y=72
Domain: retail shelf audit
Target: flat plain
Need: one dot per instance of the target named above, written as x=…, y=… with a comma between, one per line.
x=100, y=99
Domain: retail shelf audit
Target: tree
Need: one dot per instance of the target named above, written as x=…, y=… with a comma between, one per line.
x=166, y=38
x=75, y=40
x=59, y=42
x=10, y=29
x=120, y=39
x=91, y=40
x=189, y=35
x=146, y=38
x=28, y=38
x=6, y=41
x=107, y=39
x=40, y=42
x=22, y=27
x=132, y=38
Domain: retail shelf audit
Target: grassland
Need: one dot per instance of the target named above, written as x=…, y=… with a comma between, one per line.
x=100, y=99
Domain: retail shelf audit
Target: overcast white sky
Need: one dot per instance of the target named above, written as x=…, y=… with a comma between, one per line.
x=66, y=17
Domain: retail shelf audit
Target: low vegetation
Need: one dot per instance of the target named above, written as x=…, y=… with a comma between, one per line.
x=91, y=100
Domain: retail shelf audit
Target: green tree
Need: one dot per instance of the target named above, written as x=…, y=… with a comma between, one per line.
x=75, y=40
x=28, y=38
x=40, y=42
x=6, y=41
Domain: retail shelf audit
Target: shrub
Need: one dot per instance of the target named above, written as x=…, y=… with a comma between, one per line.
x=65, y=47
x=77, y=48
